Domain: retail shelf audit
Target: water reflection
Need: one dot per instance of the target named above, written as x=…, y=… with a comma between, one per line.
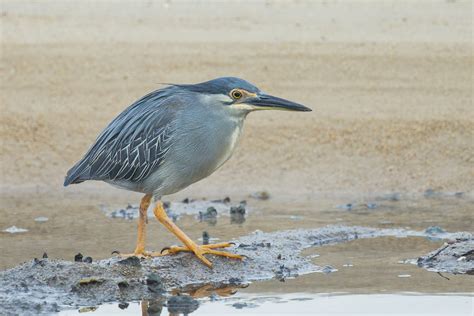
x=183, y=301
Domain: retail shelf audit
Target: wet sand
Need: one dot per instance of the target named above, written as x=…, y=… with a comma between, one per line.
x=392, y=101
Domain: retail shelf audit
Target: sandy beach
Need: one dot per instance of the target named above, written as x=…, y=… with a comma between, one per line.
x=391, y=95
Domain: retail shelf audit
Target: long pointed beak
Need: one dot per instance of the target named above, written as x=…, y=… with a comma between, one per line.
x=269, y=102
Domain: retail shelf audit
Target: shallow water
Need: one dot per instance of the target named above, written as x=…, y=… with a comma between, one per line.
x=370, y=272
x=308, y=304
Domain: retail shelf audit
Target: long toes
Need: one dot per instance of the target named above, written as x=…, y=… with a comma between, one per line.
x=174, y=250
x=219, y=245
x=224, y=254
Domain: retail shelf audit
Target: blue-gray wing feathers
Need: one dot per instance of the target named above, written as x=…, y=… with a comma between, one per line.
x=132, y=146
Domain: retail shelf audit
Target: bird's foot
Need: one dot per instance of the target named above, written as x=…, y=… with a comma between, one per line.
x=200, y=251
x=139, y=253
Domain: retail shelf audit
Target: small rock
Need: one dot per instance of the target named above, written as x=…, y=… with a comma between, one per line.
x=131, y=261
x=261, y=195
x=78, y=257
x=154, y=283
x=205, y=238
x=247, y=247
x=210, y=213
x=182, y=304
x=87, y=260
x=239, y=305
x=123, y=305
x=237, y=209
x=36, y=262
x=282, y=273
x=237, y=214
x=235, y=281
x=45, y=255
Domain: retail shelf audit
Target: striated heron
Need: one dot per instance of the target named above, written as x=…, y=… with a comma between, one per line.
x=170, y=139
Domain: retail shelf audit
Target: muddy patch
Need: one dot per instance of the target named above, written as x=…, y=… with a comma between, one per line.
x=455, y=257
x=45, y=286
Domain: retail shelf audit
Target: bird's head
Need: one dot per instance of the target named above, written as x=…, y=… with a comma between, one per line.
x=241, y=96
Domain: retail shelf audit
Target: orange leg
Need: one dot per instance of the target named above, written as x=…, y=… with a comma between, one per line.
x=142, y=221
x=190, y=245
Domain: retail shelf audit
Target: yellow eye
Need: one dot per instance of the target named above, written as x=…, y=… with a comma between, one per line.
x=236, y=94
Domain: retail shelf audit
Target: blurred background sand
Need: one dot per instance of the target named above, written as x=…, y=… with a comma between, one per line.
x=390, y=84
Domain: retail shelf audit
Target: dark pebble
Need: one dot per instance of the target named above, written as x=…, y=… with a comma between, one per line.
x=186, y=201
x=210, y=213
x=154, y=283
x=182, y=304
x=123, y=305
x=131, y=261
x=247, y=247
x=123, y=284
x=88, y=260
x=205, y=238
x=238, y=209
x=39, y=262
x=239, y=305
x=235, y=281
x=45, y=255
x=78, y=257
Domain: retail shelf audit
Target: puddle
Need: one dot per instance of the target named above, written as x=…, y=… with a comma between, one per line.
x=300, y=304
